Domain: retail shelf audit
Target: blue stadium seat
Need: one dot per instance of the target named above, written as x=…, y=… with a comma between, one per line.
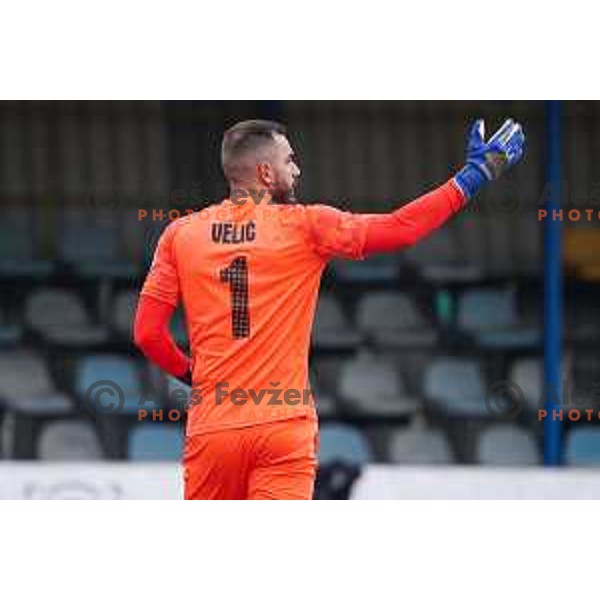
x=491, y=316
x=343, y=443
x=114, y=371
x=93, y=251
x=17, y=256
x=583, y=447
x=155, y=441
x=10, y=331
x=456, y=387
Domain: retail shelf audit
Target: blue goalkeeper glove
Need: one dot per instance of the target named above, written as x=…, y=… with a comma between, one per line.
x=486, y=161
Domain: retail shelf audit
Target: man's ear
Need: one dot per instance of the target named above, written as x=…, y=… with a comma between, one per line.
x=264, y=172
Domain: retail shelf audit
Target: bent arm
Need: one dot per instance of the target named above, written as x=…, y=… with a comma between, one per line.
x=413, y=221
x=152, y=336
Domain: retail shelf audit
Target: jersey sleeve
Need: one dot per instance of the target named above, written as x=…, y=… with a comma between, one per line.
x=336, y=233
x=162, y=281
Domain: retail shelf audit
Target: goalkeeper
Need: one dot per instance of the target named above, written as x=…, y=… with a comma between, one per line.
x=249, y=288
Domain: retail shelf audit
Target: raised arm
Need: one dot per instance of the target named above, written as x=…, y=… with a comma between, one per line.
x=350, y=235
x=412, y=222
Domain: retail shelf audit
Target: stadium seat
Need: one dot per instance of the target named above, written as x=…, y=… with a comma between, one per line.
x=381, y=268
x=60, y=318
x=26, y=386
x=332, y=329
x=93, y=251
x=490, y=315
x=327, y=406
x=583, y=447
x=123, y=313
x=456, y=387
x=115, y=375
x=17, y=257
x=439, y=259
x=527, y=374
x=507, y=445
x=10, y=331
x=586, y=378
x=69, y=441
x=393, y=319
x=372, y=386
x=419, y=446
x=343, y=443
x=155, y=441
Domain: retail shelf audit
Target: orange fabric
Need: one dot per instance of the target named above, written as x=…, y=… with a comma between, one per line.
x=249, y=278
x=151, y=335
x=272, y=461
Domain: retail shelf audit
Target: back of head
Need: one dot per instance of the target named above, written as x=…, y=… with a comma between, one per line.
x=245, y=144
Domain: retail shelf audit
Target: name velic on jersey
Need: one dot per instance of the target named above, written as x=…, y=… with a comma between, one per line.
x=233, y=233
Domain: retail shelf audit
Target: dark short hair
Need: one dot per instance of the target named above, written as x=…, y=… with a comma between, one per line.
x=245, y=137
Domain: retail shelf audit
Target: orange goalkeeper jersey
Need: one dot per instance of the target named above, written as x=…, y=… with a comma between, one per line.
x=248, y=277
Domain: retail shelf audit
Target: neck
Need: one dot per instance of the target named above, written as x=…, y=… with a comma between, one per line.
x=253, y=191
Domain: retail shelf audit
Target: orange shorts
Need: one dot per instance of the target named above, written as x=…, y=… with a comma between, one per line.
x=269, y=461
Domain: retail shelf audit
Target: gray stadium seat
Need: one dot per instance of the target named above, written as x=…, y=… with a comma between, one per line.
x=26, y=386
x=69, y=441
x=420, y=446
x=123, y=312
x=456, y=387
x=332, y=329
x=60, y=318
x=439, y=259
x=507, y=445
x=372, y=386
x=327, y=405
x=393, y=319
x=528, y=374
